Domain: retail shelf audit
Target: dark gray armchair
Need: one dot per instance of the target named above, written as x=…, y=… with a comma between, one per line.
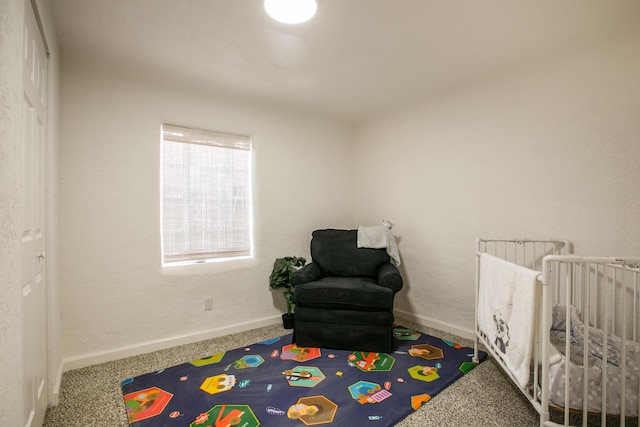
x=344, y=297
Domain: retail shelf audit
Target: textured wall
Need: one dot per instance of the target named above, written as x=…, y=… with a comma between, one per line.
x=114, y=292
x=11, y=19
x=550, y=148
x=547, y=148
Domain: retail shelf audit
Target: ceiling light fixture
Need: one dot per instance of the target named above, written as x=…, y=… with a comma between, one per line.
x=291, y=11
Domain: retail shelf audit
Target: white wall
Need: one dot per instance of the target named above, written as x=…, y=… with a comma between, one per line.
x=549, y=148
x=114, y=294
x=545, y=149
x=11, y=19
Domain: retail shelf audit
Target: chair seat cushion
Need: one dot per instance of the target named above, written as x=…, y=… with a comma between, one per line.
x=344, y=293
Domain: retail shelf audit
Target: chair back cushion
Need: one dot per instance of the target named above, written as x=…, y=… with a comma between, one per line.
x=337, y=254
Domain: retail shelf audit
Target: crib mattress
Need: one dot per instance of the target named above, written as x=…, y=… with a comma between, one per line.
x=594, y=369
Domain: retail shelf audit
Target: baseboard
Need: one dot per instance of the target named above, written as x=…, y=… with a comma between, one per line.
x=54, y=386
x=95, y=358
x=436, y=324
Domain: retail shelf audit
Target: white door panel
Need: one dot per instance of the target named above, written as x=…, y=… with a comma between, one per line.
x=34, y=291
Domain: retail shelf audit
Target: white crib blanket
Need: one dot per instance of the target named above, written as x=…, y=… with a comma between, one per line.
x=594, y=367
x=506, y=302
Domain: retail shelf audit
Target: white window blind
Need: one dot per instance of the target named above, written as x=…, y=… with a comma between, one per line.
x=206, y=195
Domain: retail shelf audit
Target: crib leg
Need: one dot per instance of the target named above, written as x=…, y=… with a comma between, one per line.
x=475, y=359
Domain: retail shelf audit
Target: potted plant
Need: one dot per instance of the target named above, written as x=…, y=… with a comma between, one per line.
x=280, y=278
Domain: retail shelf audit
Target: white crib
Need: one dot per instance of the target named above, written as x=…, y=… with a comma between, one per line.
x=585, y=307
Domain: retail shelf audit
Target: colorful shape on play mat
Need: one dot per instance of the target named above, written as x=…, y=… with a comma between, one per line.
x=270, y=341
x=304, y=376
x=368, y=392
x=372, y=362
x=326, y=410
x=147, y=403
x=248, y=361
x=465, y=367
x=424, y=373
x=216, y=358
x=404, y=334
x=426, y=351
x=453, y=344
x=300, y=354
x=218, y=383
x=419, y=400
x=227, y=416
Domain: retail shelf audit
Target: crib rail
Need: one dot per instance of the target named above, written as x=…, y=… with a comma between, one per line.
x=604, y=292
x=525, y=252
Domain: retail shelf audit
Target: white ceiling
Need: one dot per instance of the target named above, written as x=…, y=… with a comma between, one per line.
x=355, y=59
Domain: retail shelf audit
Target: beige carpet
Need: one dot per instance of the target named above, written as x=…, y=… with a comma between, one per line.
x=92, y=396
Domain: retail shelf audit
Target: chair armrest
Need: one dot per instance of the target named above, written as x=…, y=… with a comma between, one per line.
x=389, y=277
x=309, y=273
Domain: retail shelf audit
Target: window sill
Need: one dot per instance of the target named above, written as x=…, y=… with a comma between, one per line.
x=212, y=266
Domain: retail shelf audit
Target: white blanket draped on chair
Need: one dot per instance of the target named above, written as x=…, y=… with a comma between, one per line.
x=379, y=237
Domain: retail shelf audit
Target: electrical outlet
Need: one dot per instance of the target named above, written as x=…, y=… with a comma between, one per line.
x=208, y=303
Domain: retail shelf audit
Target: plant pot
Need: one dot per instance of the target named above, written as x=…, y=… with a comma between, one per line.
x=287, y=320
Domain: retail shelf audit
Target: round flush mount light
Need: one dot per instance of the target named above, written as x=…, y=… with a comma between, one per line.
x=291, y=11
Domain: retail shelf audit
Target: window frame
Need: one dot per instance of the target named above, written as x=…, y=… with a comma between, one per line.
x=223, y=144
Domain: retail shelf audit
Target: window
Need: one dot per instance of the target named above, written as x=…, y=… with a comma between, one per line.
x=206, y=195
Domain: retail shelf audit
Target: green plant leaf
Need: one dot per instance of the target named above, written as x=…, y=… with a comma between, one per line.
x=280, y=277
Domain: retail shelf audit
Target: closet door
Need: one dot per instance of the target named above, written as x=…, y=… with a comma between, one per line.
x=34, y=284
